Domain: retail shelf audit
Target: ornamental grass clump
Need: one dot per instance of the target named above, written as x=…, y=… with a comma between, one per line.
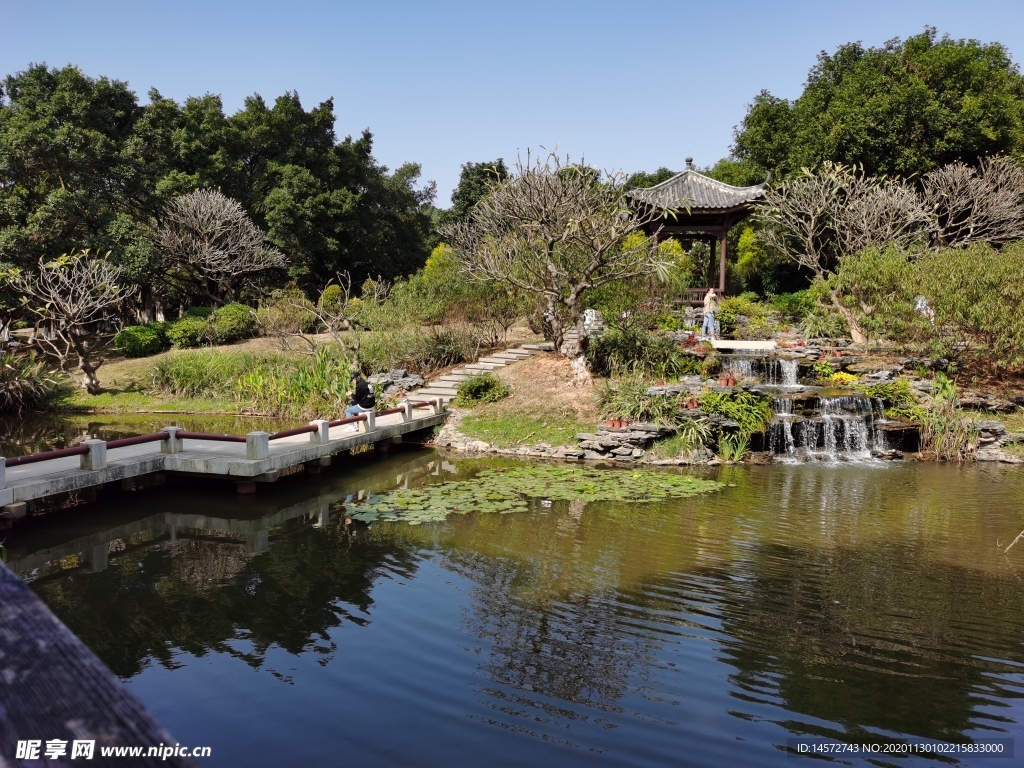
x=24, y=383
x=485, y=388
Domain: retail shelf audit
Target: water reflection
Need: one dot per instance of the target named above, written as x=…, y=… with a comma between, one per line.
x=838, y=601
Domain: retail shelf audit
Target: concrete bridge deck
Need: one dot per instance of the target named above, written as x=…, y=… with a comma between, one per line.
x=258, y=459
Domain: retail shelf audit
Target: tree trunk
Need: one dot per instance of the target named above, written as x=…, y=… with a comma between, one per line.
x=576, y=351
x=856, y=332
x=90, y=382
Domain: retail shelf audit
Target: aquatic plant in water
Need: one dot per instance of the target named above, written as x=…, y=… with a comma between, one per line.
x=507, y=490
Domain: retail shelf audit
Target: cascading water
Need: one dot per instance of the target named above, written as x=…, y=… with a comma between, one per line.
x=827, y=428
x=741, y=367
x=781, y=373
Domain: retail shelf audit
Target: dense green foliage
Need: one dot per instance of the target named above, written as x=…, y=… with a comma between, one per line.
x=189, y=332
x=485, y=388
x=142, y=340
x=232, y=322
x=25, y=383
x=902, y=109
x=111, y=163
x=753, y=413
x=625, y=350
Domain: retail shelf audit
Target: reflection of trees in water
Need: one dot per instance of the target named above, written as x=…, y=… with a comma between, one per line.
x=556, y=601
x=859, y=609
x=201, y=596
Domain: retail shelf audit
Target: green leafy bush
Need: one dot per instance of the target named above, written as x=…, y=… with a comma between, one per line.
x=202, y=312
x=753, y=413
x=628, y=398
x=946, y=431
x=189, y=332
x=141, y=340
x=633, y=350
x=24, y=383
x=287, y=311
x=485, y=388
x=208, y=373
x=232, y=322
x=308, y=387
x=794, y=306
x=897, y=398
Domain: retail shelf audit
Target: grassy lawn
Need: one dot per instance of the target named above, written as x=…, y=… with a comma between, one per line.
x=544, y=407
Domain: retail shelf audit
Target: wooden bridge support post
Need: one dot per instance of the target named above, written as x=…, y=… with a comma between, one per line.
x=96, y=458
x=173, y=443
x=257, y=445
x=322, y=436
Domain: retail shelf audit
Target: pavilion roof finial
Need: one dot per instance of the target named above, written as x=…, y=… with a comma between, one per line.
x=689, y=164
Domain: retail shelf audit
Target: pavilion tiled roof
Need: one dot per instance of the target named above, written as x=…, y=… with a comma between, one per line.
x=698, y=192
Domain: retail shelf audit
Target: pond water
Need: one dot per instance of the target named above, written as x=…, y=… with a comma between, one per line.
x=847, y=602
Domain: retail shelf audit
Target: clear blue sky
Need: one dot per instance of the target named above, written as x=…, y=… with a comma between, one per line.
x=629, y=85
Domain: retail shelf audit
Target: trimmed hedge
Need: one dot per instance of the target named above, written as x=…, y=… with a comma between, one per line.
x=141, y=340
x=189, y=332
x=232, y=322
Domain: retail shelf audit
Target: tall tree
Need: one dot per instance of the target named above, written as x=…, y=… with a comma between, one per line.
x=554, y=231
x=476, y=180
x=902, y=109
x=72, y=168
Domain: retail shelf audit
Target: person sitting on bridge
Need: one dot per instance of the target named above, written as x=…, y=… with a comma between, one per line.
x=362, y=396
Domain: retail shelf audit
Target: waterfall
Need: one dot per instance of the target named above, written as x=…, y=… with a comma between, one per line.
x=836, y=428
x=741, y=367
x=781, y=373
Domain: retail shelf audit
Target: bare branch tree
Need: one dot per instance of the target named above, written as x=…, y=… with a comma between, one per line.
x=337, y=313
x=74, y=296
x=877, y=213
x=970, y=205
x=212, y=247
x=555, y=230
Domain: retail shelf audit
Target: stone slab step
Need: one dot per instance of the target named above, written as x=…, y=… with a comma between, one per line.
x=521, y=352
x=483, y=367
x=507, y=357
x=455, y=378
x=547, y=346
x=494, y=361
x=437, y=392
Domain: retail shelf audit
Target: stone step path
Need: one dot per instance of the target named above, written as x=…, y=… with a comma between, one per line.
x=447, y=387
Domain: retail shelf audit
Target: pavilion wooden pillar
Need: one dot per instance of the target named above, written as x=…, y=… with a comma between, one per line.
x=721, y=262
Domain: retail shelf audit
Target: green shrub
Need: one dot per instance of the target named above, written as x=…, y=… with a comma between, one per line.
x=24, y=383
x=421, y=350
x=897, y=398
x=232, y=322
x=140, y=340
x=824, y=324
x=751, y=412
x=288, y=311
x=189, y=332
x=309, y=387
x=633, y=350
x=485, y=388
x=628, y=398
x=202, y=312
x=794, y=306
x=211, y=372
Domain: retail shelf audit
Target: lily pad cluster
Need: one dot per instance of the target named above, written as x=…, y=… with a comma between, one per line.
x=508, y=490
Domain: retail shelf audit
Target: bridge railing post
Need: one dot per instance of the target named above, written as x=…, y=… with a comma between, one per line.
x=3, y=471
x=257, y=445
x=438, y=405
x=322, y=436
x=96, y=458
x=407, y=414
x=173, y=443
x=371, y=421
